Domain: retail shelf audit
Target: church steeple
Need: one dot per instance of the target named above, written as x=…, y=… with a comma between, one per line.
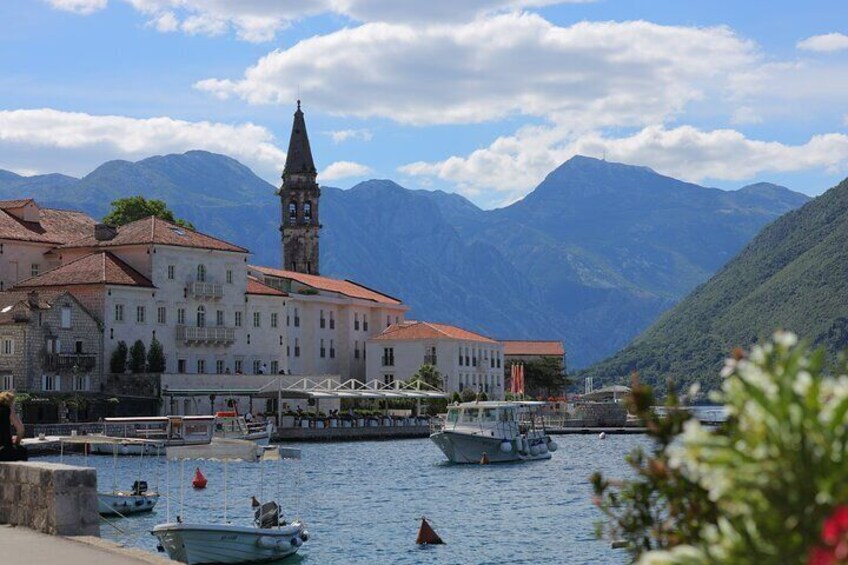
x=299, y=196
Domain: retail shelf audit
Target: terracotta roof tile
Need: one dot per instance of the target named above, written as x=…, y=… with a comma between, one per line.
x=55, y=227
x=152, y=230
x=98, y=268
x=254, y=286
x=412, y=330
x=15, y=306
x=345, y=287
x=534, y=348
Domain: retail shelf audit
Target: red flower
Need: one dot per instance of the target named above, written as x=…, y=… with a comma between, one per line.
x=835, y=526
x=821, y=556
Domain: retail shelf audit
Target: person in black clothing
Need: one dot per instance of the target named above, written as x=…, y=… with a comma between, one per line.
x=10, y=447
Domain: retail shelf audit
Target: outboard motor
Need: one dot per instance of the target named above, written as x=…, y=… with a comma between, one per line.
x=139, y=487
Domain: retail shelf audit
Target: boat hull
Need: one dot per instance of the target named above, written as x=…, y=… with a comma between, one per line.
x=197, y=544
x=468, y=448
x=123, y=504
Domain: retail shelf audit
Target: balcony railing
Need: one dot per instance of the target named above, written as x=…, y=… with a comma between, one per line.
x=205, y=290
x=214, y=335
x=69, y=361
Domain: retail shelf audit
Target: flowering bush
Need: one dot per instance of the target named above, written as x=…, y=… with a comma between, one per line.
x=775, y=476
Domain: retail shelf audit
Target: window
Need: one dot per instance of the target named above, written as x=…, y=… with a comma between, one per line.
x=365, y=322
x=238, y=366
x=238, y=320
x=257, y=319
x=201, y=316
x=66, y=317
x=171, y=272
x=499, y=359
x=288, y=319
x=356, y=321
x=181, y=365
x=119, y=312
x=78, y=346
x=257, y=367
x=332, y=350
x=288, y=350
x=139, y=314
x=9, y=346
x=460, y=357
x=307, y=211
x=34, y=270
x=161, y=315
x=296, y=318
x=356, y=350
x=332, y=320
x=219, y=366
x=50, y=383
x=275, y=367
x=292, y=213
x=296, y=347
x=273, y=319
x=201, y=366
x=181, y=316
x=229, y=276
x=323, y=351
x=323, y=322
x=388, y=321
x=81, y=382
x=388, y=357
x=388, y=379
x=7, y=382
x=201, y=273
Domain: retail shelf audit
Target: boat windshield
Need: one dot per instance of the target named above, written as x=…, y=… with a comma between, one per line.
x=489, y=415
x=507, y=415
x=453, y=415
x=469, y=415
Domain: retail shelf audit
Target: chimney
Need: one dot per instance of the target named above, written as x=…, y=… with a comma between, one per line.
x=104, y=232
x=32, y=298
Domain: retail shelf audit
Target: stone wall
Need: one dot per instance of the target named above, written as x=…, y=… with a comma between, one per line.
x=602, y=414
x=50, y=498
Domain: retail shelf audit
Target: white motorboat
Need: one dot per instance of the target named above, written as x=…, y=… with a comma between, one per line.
x=167, y=430
x=269, y=539
x=117, y=502
x=495, y=432
x=229, y=425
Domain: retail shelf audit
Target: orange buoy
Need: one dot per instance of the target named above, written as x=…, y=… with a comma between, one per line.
x=199, y=480
x=427, y=535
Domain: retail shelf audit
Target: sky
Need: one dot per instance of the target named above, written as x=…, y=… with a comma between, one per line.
x=479, y=97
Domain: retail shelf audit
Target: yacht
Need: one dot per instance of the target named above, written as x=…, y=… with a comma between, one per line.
x=494, y=432
x=229, y=425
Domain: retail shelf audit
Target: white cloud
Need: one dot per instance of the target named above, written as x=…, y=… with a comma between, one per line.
x=259, y=20
x=827, y=42
x=166, y=23
x=590, y=74
x=343, y=169
x=342, y=135
x=514, y=165
x=72, y=142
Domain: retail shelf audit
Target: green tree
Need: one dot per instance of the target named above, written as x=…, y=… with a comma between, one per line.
x=468, y=395
x=544, y=377
x=155, y=357
x=132, y=208
x=429, y=375
x=138, y=355
x=118, y=361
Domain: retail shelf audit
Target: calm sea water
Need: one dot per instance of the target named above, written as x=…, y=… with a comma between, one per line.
x=362, y=502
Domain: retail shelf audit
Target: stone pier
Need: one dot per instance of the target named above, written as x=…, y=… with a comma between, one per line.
x=50, y=498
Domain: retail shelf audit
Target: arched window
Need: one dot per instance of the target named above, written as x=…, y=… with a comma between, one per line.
x=307, y=211
x=201, y=316
x=201, y=273
x=292, y=212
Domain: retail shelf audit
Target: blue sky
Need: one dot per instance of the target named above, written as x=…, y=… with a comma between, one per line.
x=480, y=97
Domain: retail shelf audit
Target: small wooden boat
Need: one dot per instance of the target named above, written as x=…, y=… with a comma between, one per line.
x=167, y=430
x=229, y=425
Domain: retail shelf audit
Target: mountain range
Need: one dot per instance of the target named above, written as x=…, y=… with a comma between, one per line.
x=592, y=256
x=793, y=275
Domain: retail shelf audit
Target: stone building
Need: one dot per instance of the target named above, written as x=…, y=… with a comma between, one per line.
x=465, y=359
x=50, y=346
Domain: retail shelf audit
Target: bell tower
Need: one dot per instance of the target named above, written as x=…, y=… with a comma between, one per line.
x=299, y=195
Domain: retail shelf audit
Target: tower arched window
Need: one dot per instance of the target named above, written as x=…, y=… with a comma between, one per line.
x=307, y=211
x=201, y=273
x=292, y=212
x=201, y=316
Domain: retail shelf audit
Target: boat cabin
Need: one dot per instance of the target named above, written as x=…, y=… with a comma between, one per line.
x=495, y=419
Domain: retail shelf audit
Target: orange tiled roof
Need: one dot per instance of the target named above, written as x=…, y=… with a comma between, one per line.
x=534, y=348
x=254, y=286
x=412, y=330
x=345, y=287
x=55, y=227
x=153, y=230
x=98, y=268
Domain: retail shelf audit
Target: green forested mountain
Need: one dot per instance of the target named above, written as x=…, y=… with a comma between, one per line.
x=793, y=275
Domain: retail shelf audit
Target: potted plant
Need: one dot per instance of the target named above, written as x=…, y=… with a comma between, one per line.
x=288, y=419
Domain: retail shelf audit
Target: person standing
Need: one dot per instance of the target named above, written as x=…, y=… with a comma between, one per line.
x=10, y=446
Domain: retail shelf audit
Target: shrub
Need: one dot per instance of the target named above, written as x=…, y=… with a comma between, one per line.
x=138, y=356
x=155, y=357
x=118, y=361
x=468, y=395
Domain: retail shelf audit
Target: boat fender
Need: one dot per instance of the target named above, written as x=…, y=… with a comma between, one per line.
x=602, y=435
x=543, y=448
x=552, y=445
x=506, y=447
x=304, y=535
x=295, y=541
x=535, y=450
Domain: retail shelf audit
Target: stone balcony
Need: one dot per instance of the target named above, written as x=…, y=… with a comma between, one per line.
x=70, y=361
x=205, y=290
x=215, y=335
